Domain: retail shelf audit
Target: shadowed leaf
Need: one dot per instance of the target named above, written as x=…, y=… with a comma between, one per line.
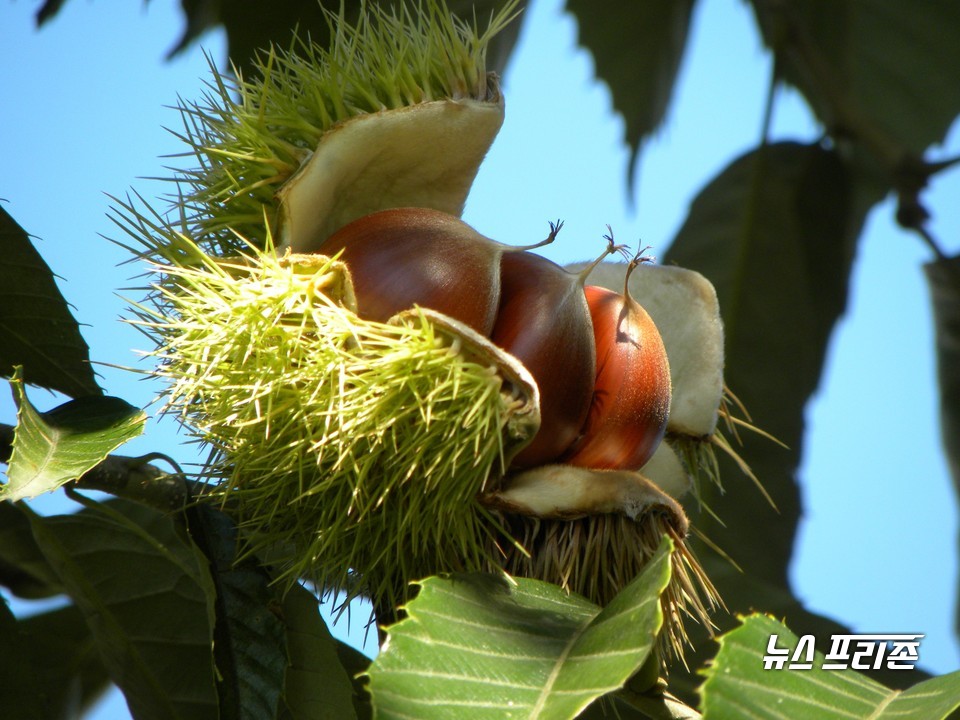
x=249, y=643
x=36, y=326
x=893, y=64
x=775, y=232
x=21, y=695
x=147, y=598
x=637, y=50
x=64, y=656
x=316, y=686
x=23, y=568
x=943, y=277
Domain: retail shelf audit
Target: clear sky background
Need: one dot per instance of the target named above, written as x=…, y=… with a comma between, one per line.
x=82, y=113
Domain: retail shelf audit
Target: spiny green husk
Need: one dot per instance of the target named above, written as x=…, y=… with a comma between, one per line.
x=249, y=135
x=349, y=452
x=598, y=555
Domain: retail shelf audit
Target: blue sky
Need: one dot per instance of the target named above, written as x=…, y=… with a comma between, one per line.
x=85, y=103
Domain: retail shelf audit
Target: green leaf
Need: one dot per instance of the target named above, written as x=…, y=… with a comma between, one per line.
x=146, y=595
x=943, y=277
x=37, y=329
x=892, y=64
x=775, y=232
x=316, y=686
x=739, y=686
x=55, y=447
x=249, y=30
x=23, y=568
x=637, y=49
x=249, y=638
x=478, y=645
x=64, y=658
x=21, y=695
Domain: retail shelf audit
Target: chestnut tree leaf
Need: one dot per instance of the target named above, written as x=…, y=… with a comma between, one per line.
x=775, y=232
x=146, y=595
x=943, y=277
x=637, y=49
x=62, y=655
x=738, y=685
x=250, y=646
x=24, y=571
x=37, y=329
x=893, y=64
x=21, y=695
x=477, y=645
x=55, y=447
x=249, y=29
x=316, y=685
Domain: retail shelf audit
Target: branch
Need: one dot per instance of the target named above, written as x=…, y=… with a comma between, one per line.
x=132, y=478
x=907, y=171
x=790, y=37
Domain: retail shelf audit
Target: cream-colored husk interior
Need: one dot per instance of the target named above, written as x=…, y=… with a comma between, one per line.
x=424, y=155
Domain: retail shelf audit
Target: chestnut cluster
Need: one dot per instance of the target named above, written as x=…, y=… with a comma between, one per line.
x=596, y=355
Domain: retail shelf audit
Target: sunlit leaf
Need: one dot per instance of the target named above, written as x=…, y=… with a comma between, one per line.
x=147, y=597
x=478, y=646
x=37, y=330
x=55, y=447
x=739, y=686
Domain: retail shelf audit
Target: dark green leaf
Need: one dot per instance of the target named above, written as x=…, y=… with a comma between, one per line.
x=53, y=448
x=316, y=686
x=357, y=664
x=775, y=235
x=775, y=232
x=479, y=645
x=23, y=568
x=637, y=48
x=147, y=596
x=37, y=329
x=48, y=10
x=21, y=695
x=249, y=638
x=943, y=277
x=250, y=30
x=739, y=686
x=891, y=64
x=65, y=660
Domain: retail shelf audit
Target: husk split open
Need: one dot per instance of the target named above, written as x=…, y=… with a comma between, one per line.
x=349, y=452
x=353, y=453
